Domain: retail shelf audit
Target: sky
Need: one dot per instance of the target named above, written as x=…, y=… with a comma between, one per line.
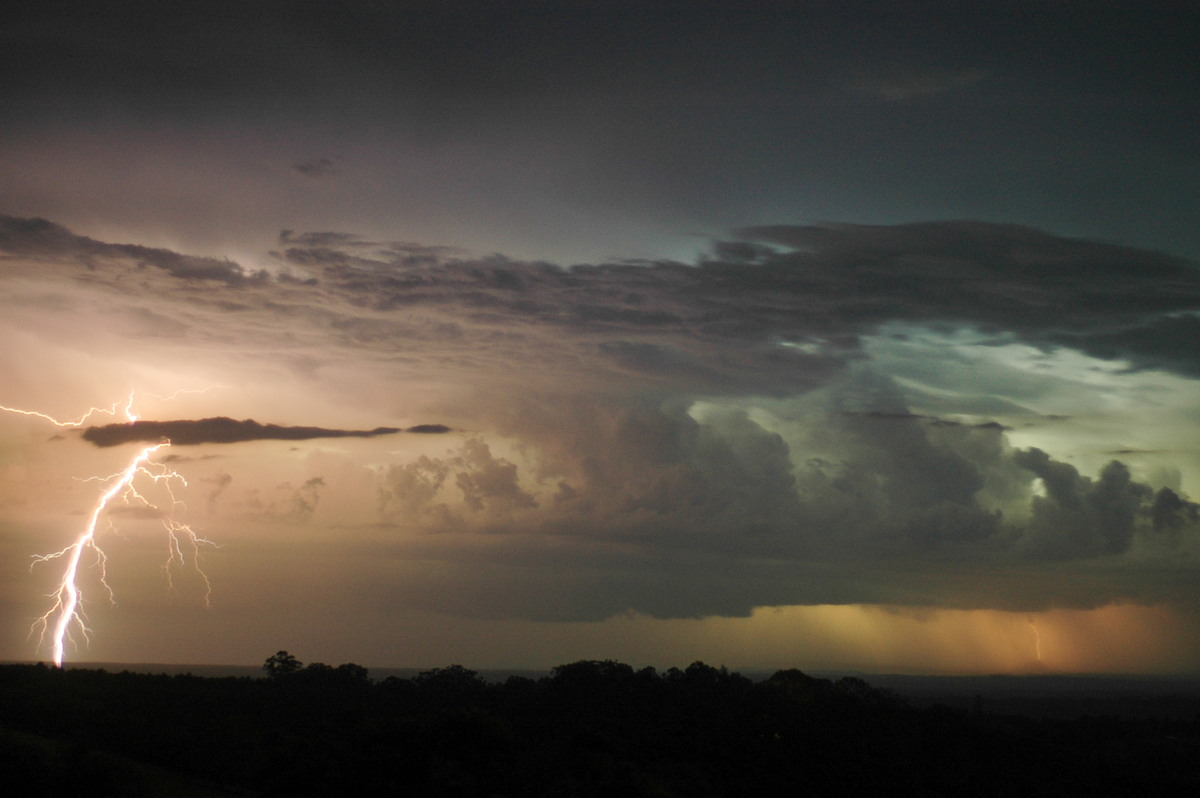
x=837, y=336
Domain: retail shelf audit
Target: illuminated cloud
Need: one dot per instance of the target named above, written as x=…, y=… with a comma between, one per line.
x=727, y=409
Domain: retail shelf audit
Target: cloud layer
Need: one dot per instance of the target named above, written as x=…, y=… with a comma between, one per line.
x=685, y=439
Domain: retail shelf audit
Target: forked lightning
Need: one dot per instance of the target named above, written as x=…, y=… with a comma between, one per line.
x=66, y=618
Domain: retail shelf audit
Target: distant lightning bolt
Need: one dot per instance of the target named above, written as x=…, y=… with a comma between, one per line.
x=79, y=422
x=127, y=410
x=66, y=614
x=1037, y=640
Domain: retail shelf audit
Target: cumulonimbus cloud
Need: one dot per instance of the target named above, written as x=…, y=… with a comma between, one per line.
x=738, y=413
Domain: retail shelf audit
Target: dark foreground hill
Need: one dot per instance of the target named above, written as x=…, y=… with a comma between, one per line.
x=589, y=729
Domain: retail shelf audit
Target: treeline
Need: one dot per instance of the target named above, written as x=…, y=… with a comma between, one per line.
x=591, y=728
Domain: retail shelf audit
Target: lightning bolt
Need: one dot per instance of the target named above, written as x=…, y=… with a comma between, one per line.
x=79, y=422
x=127, y=410
x=66, y=616
x=1037, y=640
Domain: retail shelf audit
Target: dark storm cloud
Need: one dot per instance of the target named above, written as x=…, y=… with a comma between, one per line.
x=1081, y=516
x=1171, y=513
x=429, y=429
x=1012, y=277
x=216, y=430
x=630, y=472
x=823, y=285
x=332, y=248
x=691, y=115
x=651, y=478
x=818, y=286
x=291, y=49
x=592, y=375
x=38, y=238
x=1171, y=343
x=485, y=50
x=781, y=310
x=676, y=435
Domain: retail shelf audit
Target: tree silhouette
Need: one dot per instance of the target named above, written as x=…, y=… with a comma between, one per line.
x=281, y=664
x=592, y=728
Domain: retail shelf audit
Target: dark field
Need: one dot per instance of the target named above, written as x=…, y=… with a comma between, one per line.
x=590, y=729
